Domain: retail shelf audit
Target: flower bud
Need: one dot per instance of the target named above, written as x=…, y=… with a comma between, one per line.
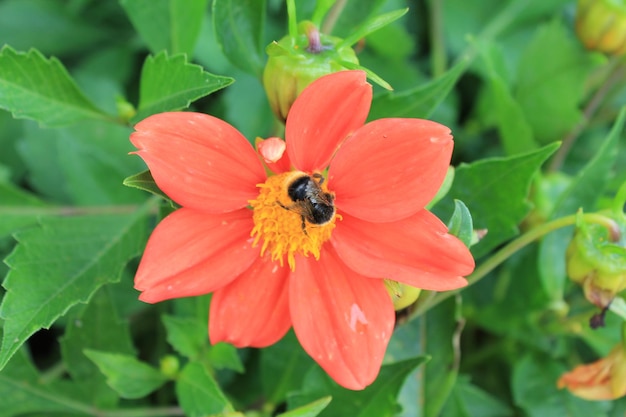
x=597, y=261
x=169, y=366
x=604, y=379
x=601, y=25
x=296, y=62
x=401, y=294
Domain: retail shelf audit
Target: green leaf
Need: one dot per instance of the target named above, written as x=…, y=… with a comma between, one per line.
x=169, y=25
x=467, y=400
x=534, y=391
x=59, y=31
x=127, y=375
x=372, y=25
x=144, y=181
x=33, y=87
x=198, y=393
x=94, y=327
x=551, y=81
x=310, y=410
x=170, y=83
x=515, y=132
x=282, y=367
x=460, y=224
x=23, y=391
x=419, y=102
x=239, y=27
x=187, y=335
x=83, y=164
x=379, y=399
x=584, y=191
x=442, y=343
x=60, y=264
x=495, y=190
x=18, y=208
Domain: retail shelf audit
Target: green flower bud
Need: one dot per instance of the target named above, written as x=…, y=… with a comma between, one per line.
x=169, y=366
x=296, y=62
x=596, y=259
x=402, y=295
x=601, y=25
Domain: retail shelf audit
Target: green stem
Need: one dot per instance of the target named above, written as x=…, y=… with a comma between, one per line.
x=507, y=251
x=437, y=45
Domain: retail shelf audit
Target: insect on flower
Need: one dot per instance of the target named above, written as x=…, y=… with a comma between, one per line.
x=310, y=201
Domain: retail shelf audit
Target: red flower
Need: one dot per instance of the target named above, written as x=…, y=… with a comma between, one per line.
x=240, y=235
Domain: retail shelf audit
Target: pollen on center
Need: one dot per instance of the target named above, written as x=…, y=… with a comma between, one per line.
x=281, y=225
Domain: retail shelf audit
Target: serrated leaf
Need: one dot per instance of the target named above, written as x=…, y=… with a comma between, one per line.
x=127, y=375
x=379, y=399
x=583, y=191
x=169, y=25
x=33, y=87
x=18, y=208
x=24, y=392
x=60, y=264
x=496, y=186
x=310, y=410
x=171, y=83
x=461, y=224
x=419, y=102
x=239, y=27
x=198, y=393
x=95, y=327
x=187, y=335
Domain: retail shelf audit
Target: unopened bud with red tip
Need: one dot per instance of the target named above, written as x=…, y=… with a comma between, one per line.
x=294, y=63
x=596, y=259
x=601, y=25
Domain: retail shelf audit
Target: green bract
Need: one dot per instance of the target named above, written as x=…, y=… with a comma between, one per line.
x=597, y=262
x=296, y=62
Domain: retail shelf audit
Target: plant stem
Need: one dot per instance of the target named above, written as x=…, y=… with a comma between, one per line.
x=507, y=251
x=333, y=16
x=616, y=72
x=437, y=46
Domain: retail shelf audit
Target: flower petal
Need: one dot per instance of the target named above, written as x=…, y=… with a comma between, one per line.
x=343, y=320
x=253, y=310
x=199, y=161
x=324, y=115
x=193, y=253
x=390, y=168
x=417, y=251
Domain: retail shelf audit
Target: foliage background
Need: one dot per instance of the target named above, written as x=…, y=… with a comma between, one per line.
x=510, y=79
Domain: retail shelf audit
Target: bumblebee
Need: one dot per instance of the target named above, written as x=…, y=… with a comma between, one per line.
x=313, y=204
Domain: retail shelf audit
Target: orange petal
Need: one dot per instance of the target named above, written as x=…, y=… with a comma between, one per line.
x=417, y=251
x=323, y=115
x=390, y=168
x=193, y=253
x=253, y=310
x=343, y=320
x=199, y=161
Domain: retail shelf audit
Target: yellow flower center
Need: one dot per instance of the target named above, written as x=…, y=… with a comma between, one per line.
x=290, y=222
